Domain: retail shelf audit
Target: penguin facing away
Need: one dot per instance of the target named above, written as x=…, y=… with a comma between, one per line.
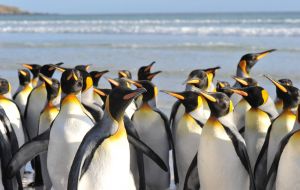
x=96, y=76
x=281, y=126
x=67, y=130
x=278, y=101
x=187, y=132
x=222, y=158
x=35, y=70
x=103, y=155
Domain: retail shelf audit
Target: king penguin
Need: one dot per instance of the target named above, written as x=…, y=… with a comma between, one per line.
x=47, y=116
x=67, y=130
x=222, y=86
x=222, y=158
x=124, y=74
x=280, y=127
x=153, y=129
x=36, y=101
x=187, y=133
x=35, y=70
x=21, y=95
x=144, y=72
x=96, y=76
x=278, y=101
x=257, y=119
x=211, y=73
x=103, y=155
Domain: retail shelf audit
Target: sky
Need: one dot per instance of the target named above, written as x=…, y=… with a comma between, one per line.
x=152, y=6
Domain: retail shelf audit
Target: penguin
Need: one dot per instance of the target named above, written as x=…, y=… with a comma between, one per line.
x=222, y=86
x=37, y=100
x=21, y=95
x=242, y=106
x=257, y=119
x=187, y=132
x=211, y=73
x=35, y=70
x=47, y=116
x=67, y=130
x=12, y=111
x=278, y=101
x=104, y=151
x=281, y=126
x=284, y=172
x=96, y=76
x=153, y=129
x=222, y=158
x=124, y=74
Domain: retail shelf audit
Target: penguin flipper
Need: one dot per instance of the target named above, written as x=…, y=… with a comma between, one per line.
x=91, y=113
x=241, y=151
x=171, y=142
x=272, y=174
x=260, y=169
x=141, y=146
x=91, y=141
x=191, y=181
x=27, y=152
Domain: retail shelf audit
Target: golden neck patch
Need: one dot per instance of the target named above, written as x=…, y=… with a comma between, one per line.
x=265, y=95
x=243, y=66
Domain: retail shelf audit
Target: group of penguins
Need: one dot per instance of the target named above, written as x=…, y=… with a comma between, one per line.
x=79, y=136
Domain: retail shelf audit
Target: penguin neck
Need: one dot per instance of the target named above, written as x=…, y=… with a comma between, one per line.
x=191, y=88
x=241, y=73
x=35, y=81
x=198, y=114
x=71, y=103
x=87, y=96
x=112, y=124
x=151, y=103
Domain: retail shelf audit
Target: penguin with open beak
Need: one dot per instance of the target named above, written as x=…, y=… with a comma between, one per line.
x=222, y=158
x=187, y=132
x=248, y=61
x=278, y=101
x=257, y=119
x=35, y=70
x=153, y=128
x=21, y=95
x=144, y=72
x=280, y=127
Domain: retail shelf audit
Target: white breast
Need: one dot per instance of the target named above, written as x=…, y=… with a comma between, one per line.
x=219, y=166
x=67, y=132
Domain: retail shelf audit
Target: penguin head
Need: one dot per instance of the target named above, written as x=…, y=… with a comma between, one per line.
x=218, y=102
x=119, y=82
x=71, y=81
x=118, y=100
x=245, y=81
x=190, y=99
x=222, y=86
x=144, y=72
x=96, y=76
x=125, y=74
x=287, y=82
x=49, y=69
x=254, y=95
x=249, y=60
x=197, y=78
x=87, y=81
x=52, y=87
x=83, y=67
x=4, y=86
x=24, y=77
x=151, y=90
x=211, y=73
x=34, y=69
x=290, y=95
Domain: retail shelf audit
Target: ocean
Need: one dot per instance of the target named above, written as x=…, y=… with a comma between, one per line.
x=178, y=43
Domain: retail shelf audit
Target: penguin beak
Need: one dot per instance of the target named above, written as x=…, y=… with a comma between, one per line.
x=222, y=85
x=174, y=94
x=101, y=73
x=73, y=74
x=241, y=81
x=135, y=83
x=113, y=82
x=28, y=66
x=134, y=94
x=57, y=67
x=208, y=97
x=192, y=81
x=152, y=75
x=87, y=67
x=23, y=73
x=46, y=79
x=263, y=54
x=100, y=92
x=277, y=84
x=238, y=91
x=53, y=67
x=122, y=74
x=148, y=68
x=212, y=70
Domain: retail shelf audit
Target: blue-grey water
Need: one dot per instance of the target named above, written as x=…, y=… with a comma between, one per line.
x=177, y=42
